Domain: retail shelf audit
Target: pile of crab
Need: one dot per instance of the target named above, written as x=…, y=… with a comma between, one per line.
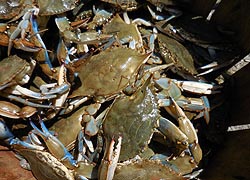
x=108, y=89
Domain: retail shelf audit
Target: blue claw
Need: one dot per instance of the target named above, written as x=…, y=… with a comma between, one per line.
x=17, y=141
x=10, y=139
x=55, y=146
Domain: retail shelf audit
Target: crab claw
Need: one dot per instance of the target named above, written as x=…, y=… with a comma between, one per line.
x=171, y=131
x=198, y=87
x=9, y=138
x=206, y=109
x=36, y=32
x=200, y=105
x=110, y=160
x=55, y=146
x=185, y=124
x=187, y=128
x=22, y=27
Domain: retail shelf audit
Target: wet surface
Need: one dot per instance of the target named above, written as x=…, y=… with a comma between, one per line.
x=10, y=168
x=230, y=162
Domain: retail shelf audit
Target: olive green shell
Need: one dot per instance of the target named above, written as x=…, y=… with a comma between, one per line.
x=145, y=169
x=12, y=67
x=109, y=72
x=134, y=119
x=44, y=166
x=173, y=51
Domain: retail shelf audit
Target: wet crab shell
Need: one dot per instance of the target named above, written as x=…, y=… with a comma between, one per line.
x=126, y=5
x=44, y=166
x=134, y=119
x=109, y=72
x=47, y=7
x=14, y=68
x=9, y=9
x=173, y=51
x=145, y=169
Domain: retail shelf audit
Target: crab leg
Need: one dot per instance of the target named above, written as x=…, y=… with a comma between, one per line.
x=19, y=90
x=25, y=45
x=10, y=110
x=185, y=124
x=24, y=101
x=172, y=132
x=196, y=104
x=109, y=162
x=9, y=138
x=206, y=109
x=197, y=87
x=187, y=127
x=21, y=29
x=54, y=145
x=81, y=148
x=35, y=30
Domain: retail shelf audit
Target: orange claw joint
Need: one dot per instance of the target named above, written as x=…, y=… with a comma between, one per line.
x=110, y=160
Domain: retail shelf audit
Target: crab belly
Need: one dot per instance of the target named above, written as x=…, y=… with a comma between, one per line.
x=134, y=119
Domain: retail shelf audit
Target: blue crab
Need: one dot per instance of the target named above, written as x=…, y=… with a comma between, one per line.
x=10, y=9
x=134, y=118
x=125, y=31
x=114, y=67
x=172, y=51
x=107, y=74
x=16, y=72
x=45, y=166
x=34, y=152
x=145, y=169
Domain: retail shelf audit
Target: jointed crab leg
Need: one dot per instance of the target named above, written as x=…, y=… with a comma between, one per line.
x=185, y=124
x=171, y=131
x=197, y=87
x=54, y=145
x=9, y=138
x=35, y=30
x=21, y=28
x=25, y=101
x=187, y=127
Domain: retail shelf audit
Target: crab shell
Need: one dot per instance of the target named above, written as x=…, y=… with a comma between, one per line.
x=134, y=119
x=173, y=51
x=109, y=72
x=44, y=166
x=16, y=70
x=9, y=8
x=48, y=7
x=145, y=169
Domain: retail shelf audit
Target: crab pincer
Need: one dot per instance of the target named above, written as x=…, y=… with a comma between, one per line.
x=187, y=128
x=55, y=146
